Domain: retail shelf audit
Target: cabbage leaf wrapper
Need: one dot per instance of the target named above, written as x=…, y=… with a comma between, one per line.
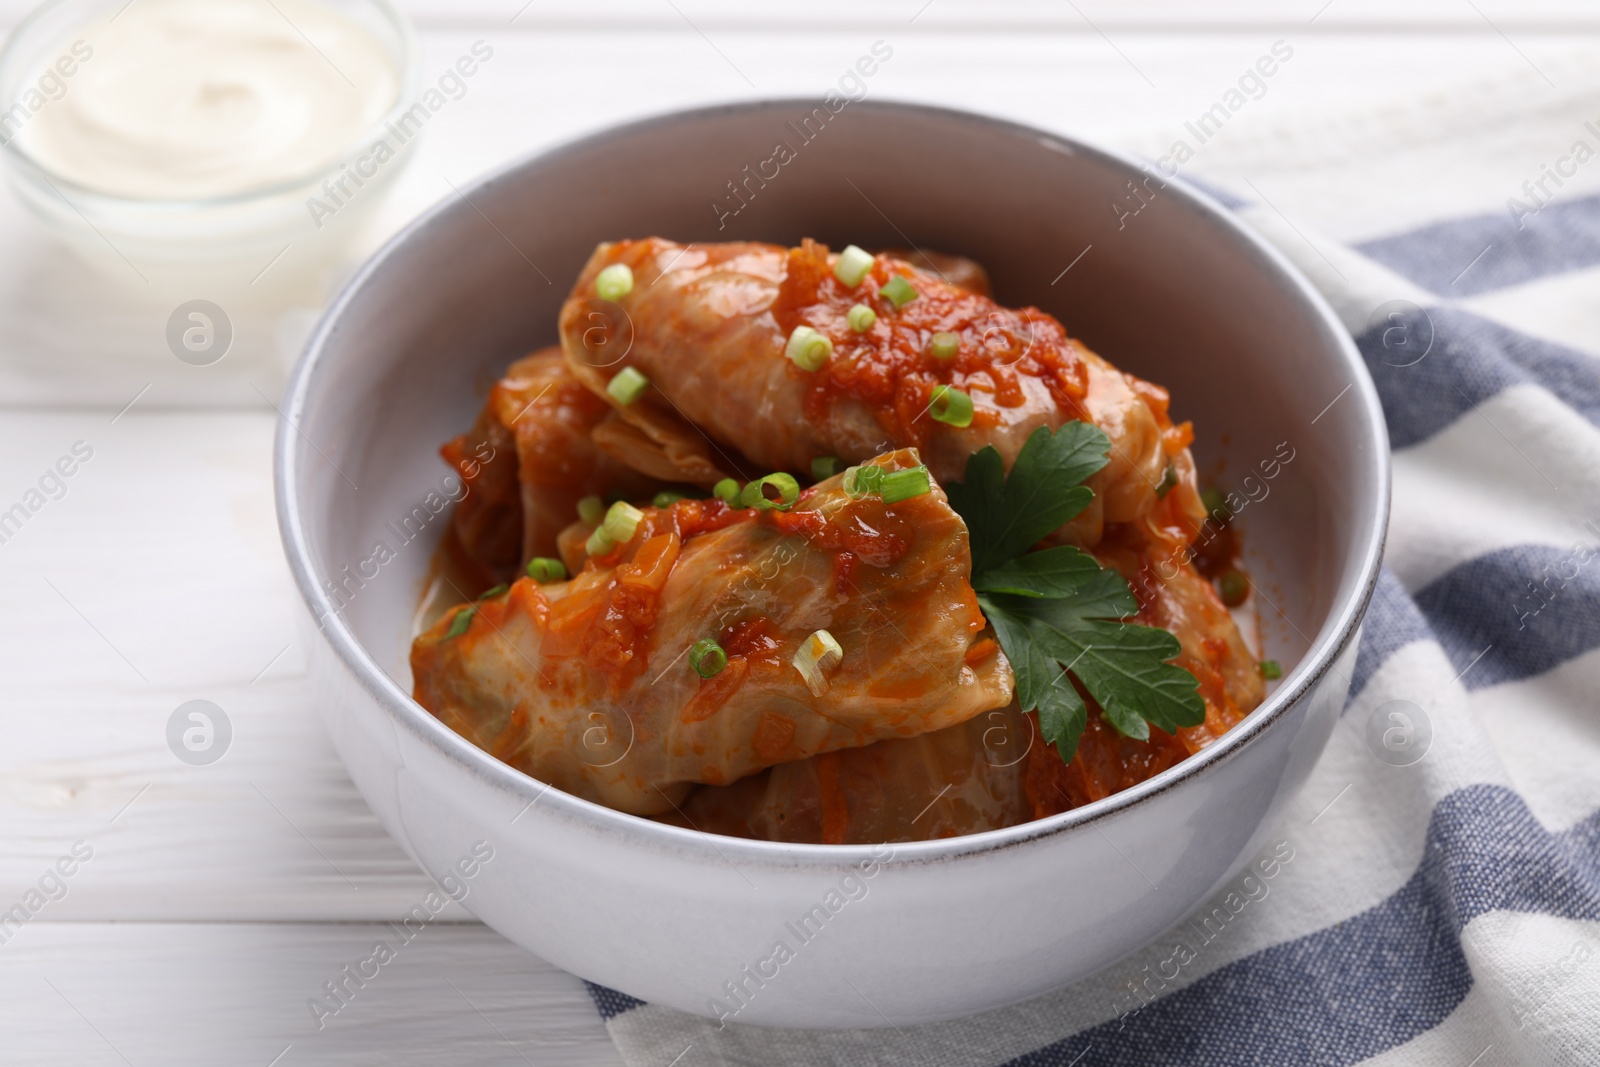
x=708, y=325
x=994, y=770
x=587, y=684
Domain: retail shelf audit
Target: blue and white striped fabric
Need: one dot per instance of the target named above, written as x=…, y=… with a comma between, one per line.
x=1446, y=912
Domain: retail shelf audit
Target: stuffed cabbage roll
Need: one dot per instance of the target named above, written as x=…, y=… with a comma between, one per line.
x=526, y=462
x=587, y=684
x=708, y=326
x=993, y=770
x=960, y=780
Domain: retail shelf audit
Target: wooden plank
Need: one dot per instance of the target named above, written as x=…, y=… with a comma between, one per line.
x=84, y=994
x=158, y=578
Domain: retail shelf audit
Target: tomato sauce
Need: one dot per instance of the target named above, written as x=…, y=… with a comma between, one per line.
x=889, y=369
x=750, y=645
x=1107, y=763
x=835, y=805
x=868, y=530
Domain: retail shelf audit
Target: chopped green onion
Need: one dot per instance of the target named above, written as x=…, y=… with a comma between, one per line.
x=591, y=510
x=614, y=283
x=629, y=385
x=808, y=349
x=944, y=345
x=599, y=543
x=1234, y=587
x=1216, y=506
x=459, y=624
x=818, y=654
x=755, y=495
x=622, y=519
x=726, y=491
x=861, y=318
x=898, y=292
x=824, y=467
x=1271, y=670
x=951, y=406
x=859, y=481
x=893, y=486
x=903, y=485
x=1168, y=480
x=852, y=265
x=544, y=569
x=666, y=498
x=707, y=657
x=489, y=594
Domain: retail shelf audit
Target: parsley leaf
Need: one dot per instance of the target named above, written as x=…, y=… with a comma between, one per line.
x=1121, y=665
x=1050, y=572
x=1007, y=516
x=1058, y=614
x=1041, y=685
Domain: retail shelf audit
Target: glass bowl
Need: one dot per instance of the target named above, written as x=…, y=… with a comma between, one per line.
x=237, y=234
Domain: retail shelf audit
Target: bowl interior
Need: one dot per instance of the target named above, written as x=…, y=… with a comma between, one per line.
x=1148, y=274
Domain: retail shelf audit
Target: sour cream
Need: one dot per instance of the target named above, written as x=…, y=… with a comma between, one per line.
x=193, y=99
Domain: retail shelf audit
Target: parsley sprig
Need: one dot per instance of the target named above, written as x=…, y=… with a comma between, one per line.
x=1056, y=611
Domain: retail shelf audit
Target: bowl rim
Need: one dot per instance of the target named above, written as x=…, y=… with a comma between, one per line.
x=24, y=165
x=640, y=831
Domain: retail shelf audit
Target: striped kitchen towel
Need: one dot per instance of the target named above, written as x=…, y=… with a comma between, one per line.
x=1435, y=903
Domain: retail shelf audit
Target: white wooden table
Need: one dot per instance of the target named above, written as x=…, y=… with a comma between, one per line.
x=218, y=899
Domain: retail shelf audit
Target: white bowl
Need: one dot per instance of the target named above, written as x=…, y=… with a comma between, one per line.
x=1180, y=293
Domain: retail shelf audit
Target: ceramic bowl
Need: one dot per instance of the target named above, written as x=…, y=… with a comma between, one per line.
x=1149, y=272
